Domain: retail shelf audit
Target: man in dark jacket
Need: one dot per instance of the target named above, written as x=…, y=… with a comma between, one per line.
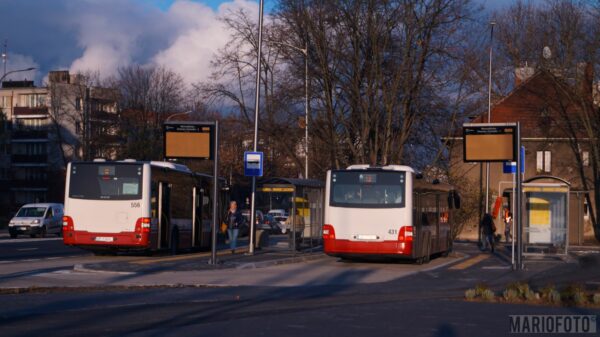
x=488, y=228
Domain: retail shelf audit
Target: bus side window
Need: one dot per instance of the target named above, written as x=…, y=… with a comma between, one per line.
x=154, y=199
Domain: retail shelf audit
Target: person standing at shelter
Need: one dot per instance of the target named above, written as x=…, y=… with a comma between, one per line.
x=234, y=220
x=508, y=221
x=296, y=225
x=488, y=228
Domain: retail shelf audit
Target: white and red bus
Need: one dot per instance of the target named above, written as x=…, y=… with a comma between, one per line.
x=134, y=205
x=386, y=212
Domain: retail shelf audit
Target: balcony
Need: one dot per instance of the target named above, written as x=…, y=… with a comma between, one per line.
x=29, y=159
x=24, y=133
x=26, y=111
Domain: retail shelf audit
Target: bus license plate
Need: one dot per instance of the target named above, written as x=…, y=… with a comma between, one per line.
x=105, y=238
x=367, y=237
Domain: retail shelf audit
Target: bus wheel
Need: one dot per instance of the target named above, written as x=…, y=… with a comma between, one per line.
x=174, y=241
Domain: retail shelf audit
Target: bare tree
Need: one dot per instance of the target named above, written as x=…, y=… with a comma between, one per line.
x=148, y=96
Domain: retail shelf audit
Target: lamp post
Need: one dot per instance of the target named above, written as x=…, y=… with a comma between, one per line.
x=489, y=118
x=256, y=107
x=178, y=114
x=304, y=52
x=14, y=71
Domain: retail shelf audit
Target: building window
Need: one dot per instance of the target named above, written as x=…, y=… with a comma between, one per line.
x=5, y=102
x=585, y=158
x=33, y=100
x=78, y=103
x=544, y=161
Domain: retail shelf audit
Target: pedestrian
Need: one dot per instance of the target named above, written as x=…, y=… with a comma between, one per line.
x=488, y=228
x=296, y=221
x=234, y=220
x=508, y=221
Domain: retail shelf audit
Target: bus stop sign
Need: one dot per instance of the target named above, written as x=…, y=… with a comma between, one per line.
x=253, y=164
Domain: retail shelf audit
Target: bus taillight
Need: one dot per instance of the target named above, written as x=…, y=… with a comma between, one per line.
x=67, y=223
x=405, y=234
x=142, y=225
x=328, y=232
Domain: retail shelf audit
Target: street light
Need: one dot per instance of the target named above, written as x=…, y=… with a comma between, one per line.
x=15, y=71
x=489, y=117
x=304, y=51
x=178, y=114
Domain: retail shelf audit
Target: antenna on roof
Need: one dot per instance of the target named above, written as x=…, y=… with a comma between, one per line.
x=547, y=53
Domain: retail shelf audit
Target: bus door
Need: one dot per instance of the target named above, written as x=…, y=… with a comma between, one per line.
x=164, y=213
x=197, y=217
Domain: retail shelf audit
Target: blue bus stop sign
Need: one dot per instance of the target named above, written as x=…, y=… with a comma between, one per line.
x=253, y=164
x=511, y=166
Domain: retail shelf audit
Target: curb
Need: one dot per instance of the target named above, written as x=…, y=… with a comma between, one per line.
x=82, y=269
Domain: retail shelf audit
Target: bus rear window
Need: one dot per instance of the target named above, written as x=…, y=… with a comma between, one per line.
x=381, y=189
x=105, y=181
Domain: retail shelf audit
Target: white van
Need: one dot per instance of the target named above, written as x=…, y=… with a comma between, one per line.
x=37, y=219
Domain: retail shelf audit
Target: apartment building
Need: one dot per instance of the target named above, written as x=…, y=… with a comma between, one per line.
x=46, y=127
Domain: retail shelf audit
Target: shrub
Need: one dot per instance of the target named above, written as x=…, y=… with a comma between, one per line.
x=470, y=294
x=510, y=295
x=579, y=298
x=596, y=298
x=554, y=297
x=521, y=288
x=488, y=295
x=480, y=289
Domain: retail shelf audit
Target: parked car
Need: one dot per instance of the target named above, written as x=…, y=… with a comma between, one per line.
x=270, y=224
x=281, y=220
x=278, y=212
x=37, y=219
x=246, y=227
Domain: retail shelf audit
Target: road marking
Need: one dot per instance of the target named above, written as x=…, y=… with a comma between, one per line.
x=496, y=267
x=26, y=249
x=189, y=256
x=8, y=241
x=470, y=262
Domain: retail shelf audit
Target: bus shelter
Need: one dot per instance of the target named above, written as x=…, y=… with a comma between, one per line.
x=301, y=203
x=546, y=220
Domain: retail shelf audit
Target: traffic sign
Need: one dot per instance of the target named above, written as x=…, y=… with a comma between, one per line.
x=253, y=164
x=511, y=166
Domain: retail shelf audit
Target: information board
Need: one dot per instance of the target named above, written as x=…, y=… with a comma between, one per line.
x=188, y=140
x=494, y=142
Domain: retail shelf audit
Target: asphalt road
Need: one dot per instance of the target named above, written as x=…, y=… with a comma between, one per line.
x=342, y=299
x=19, y=249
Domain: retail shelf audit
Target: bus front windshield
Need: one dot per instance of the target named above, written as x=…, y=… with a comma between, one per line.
x=368, y=189
x=98, y=181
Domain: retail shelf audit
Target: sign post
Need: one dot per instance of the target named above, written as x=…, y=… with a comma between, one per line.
x=196, y=140
x=498, y=142
x=253, y=167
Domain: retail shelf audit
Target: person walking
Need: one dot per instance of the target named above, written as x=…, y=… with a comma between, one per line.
x=508, y=221
x=234, y=220
x=488, y=228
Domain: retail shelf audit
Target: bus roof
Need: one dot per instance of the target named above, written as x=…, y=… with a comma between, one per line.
x=403, y=168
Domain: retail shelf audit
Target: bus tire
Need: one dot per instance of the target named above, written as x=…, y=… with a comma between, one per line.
x=174, y=241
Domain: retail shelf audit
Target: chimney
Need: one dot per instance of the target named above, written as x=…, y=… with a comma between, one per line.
x=522, y=74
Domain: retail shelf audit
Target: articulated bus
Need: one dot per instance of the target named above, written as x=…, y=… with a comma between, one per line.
x=386, y=212
x=134, y=205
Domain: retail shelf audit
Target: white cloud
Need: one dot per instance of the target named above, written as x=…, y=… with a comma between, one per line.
x=193, y=49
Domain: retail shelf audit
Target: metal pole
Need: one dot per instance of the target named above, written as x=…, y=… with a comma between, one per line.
x=306, y=110
x=5, y=57
x=489, y=117
x=512, y=229
x=215, y=217
x=518, y=201
x=86, y=125
x=256, y=107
